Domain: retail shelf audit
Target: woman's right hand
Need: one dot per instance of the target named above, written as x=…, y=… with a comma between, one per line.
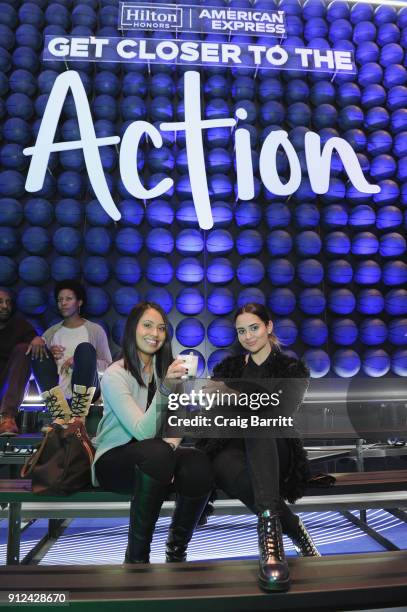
x=57, y=351
x=177, y=369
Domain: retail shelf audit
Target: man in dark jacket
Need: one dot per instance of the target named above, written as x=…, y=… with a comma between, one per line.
x=17, y=340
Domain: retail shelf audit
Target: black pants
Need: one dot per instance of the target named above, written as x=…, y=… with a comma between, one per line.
x=190, y=467
x=13, y=380
x=250, y=470
x=84, y=369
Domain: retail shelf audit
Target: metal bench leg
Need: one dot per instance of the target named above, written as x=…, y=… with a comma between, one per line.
x=14, y=533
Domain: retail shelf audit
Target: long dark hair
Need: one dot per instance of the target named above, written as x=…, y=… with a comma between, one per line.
x=264, y=314
x=130, y=351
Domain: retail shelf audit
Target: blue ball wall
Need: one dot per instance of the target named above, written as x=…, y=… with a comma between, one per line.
x=332, y=268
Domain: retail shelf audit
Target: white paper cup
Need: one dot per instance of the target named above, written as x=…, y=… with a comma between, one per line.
x=191, y=363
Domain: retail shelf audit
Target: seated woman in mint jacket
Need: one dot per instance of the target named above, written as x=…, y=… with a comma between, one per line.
x=131, y=456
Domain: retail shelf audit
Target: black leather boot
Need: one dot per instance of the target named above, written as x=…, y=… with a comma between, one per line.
x=303, y=542
x=188, y=511
x=145, y=507
x=273, y=568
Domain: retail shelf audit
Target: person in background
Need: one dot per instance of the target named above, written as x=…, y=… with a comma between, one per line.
x=131, y=455
x=18, y=339
x=261, y=472
x=76, y=351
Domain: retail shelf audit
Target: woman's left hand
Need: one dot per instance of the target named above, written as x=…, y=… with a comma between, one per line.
x=67, y=365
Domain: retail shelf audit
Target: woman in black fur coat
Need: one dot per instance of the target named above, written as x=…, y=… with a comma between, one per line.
x=262, y=472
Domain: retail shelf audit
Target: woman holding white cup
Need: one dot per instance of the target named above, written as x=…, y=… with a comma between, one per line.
x=130, y=454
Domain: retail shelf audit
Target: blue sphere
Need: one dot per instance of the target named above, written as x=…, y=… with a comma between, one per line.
x=97, y=301
x=11, y=184
x=277, y=215
x=250, y=271
x=127, y=270
x=190, y=271
x=367, y=273
x=344, y=332
x=341, y=301
x=34, y=270
x=339, y=272
x=160, y=213
x=32, y=301
x=314, y=332
x=373, y=331
x=69, y=212
x=249, y=242
x=281, y=301
x=396, y=302
x=221, y=332
x=370, y=301
x=398, y=332
x=161, y=296
x=98, y=241
x=67, y=241
x=250, y=295
x=365, y=243
x=36, y=240
x=124, y=299
x=286, y=331
x=64, y=267
x=248, y=214
x=312, y=301
x=159, y=241
x=221, y=271
x=375, y=362
x=96, y=215
x=218, y=241
x=129, y=241
x=159, y=271
x=220, y=301
x=190, y=332
x=96, y=270
x=190, y=301
x=189, y=242
x=11, y=212
x=306, y=215
x=346, y=363
x=310, y=272
x=280, y=272
x=337, y=243
x=392, y=245
x=279, y=242
x=308, y=243
x=132, y=213
x=318, y=362
x=399, y=362
x=362, y=216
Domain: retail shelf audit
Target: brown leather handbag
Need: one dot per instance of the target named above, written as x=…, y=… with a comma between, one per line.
x=62, y=463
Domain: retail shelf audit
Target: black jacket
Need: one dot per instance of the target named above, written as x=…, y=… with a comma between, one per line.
x=280, y=366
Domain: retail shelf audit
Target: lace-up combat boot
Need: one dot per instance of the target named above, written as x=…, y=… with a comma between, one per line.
x=57, y=405
x=303, y=542
x=81, y=400
x=273, y=568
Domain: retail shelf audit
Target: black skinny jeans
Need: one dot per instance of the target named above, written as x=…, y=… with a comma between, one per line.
x=84, y=369
x=250, y=470
x=191, y=468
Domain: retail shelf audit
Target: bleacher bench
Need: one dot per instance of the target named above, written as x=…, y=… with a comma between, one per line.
x=359, y=490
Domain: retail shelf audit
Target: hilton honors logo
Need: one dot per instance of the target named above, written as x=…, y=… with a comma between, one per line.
x=139, y=16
